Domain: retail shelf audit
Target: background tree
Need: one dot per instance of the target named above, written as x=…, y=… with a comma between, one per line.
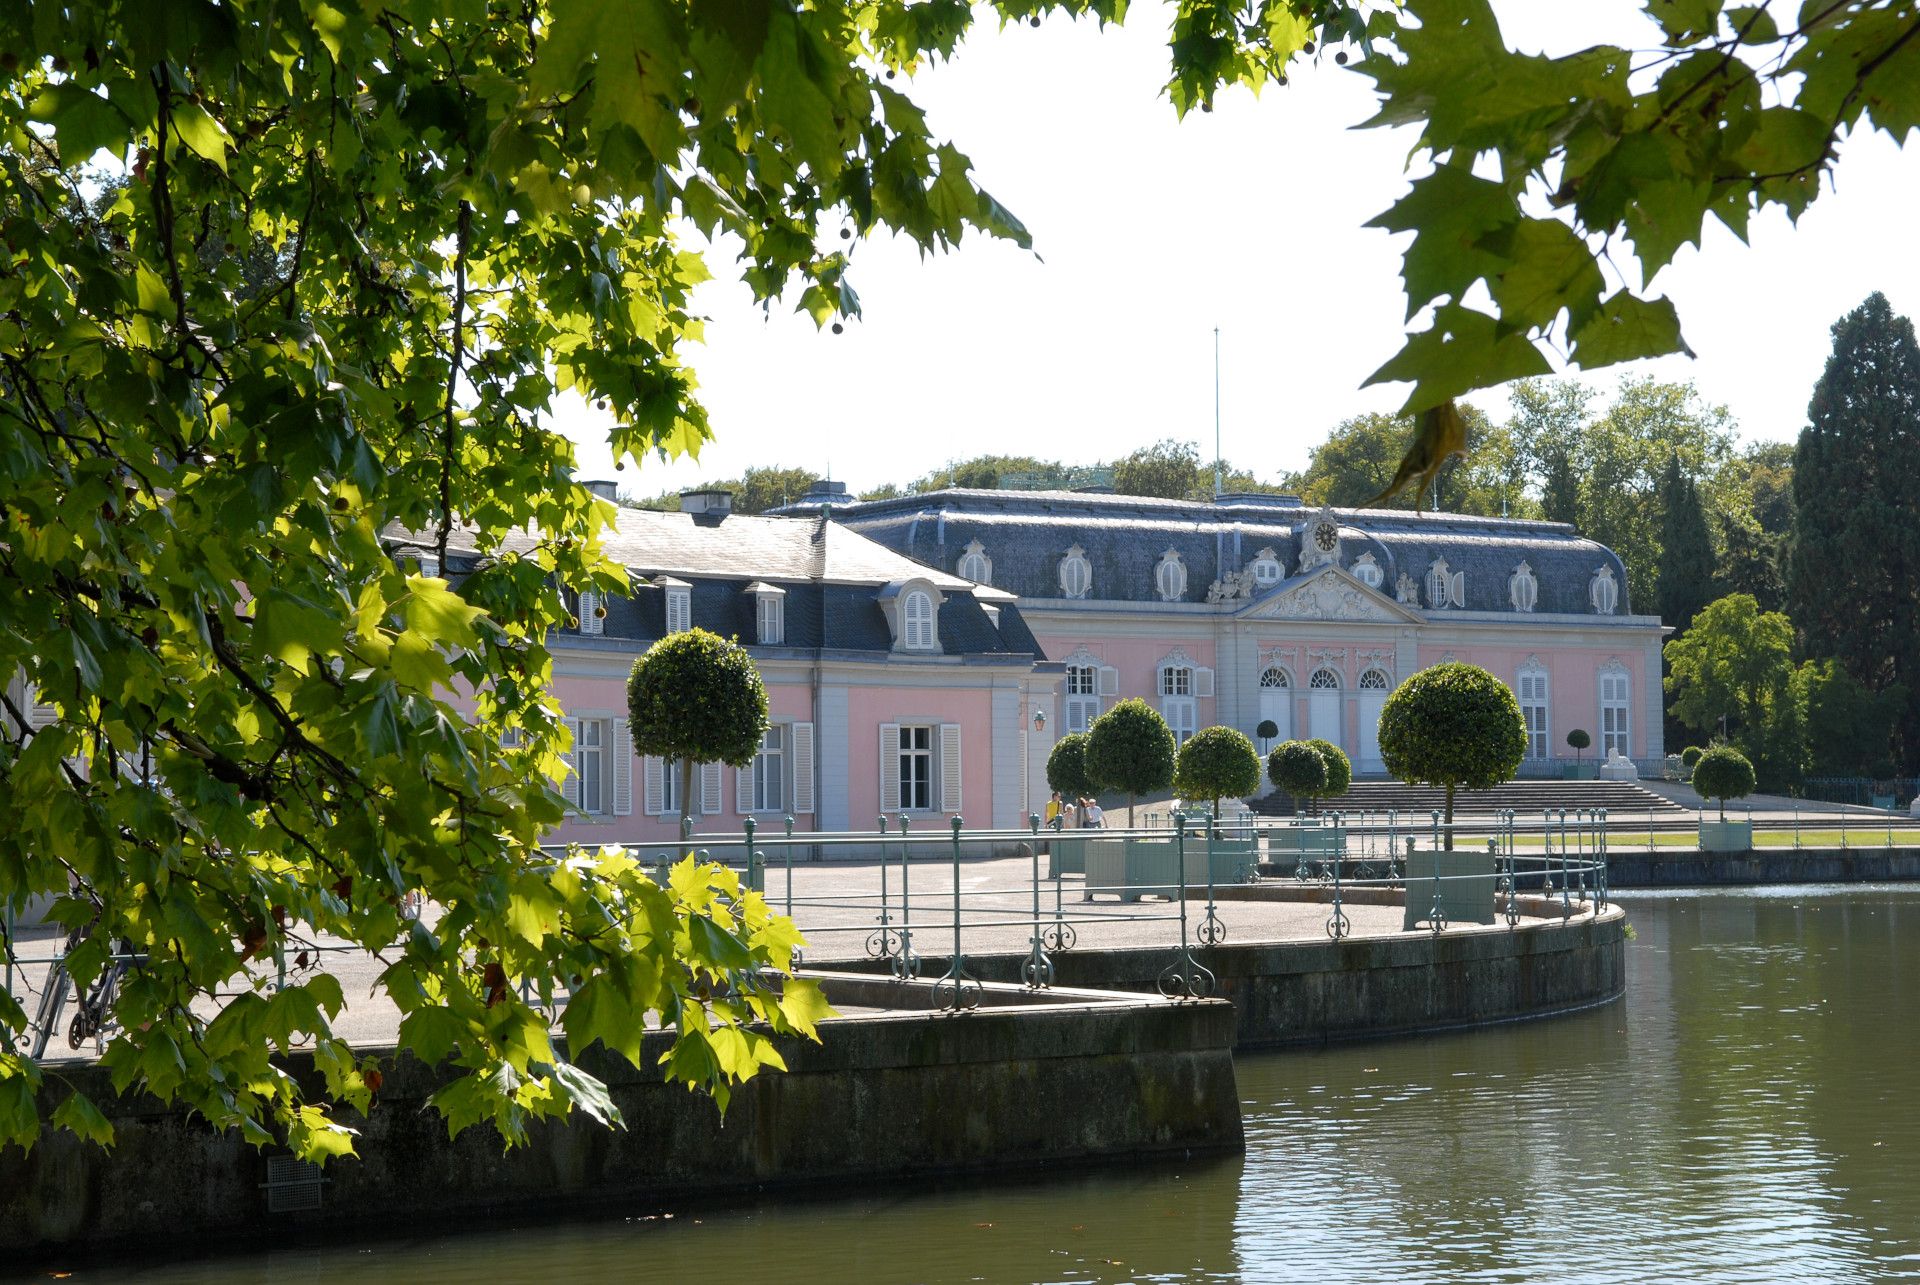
x=1687, y=564
x=1548, y=418
x=1732, y=672
x=1452, y=725
x=1130, y=749
x=695, y=698
x=1216, y=763
x=1067, y=768
x=1360, y=456
x=755, y=491
x=1723, y=773
x=1339, y=769
x=1855, y=556
x=1849, y=729
x=1168, y=469
x=1297, y=770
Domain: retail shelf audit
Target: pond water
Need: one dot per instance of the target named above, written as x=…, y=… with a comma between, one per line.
x=1747, y=1113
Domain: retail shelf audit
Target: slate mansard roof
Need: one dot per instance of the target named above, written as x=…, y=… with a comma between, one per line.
x=1026, y=533
x=832, y=579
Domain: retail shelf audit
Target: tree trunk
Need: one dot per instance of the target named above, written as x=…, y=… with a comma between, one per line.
x=686, y=796
x=1449, y=816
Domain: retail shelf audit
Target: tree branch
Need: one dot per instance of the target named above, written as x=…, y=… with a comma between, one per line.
x=449, y=437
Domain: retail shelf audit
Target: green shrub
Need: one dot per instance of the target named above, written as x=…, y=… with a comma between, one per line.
x=1067, y=767
x=1339, y=768
x=698, y=698
x=1216, y=763
x=1130, y=749
x=1297, y=769
x=1723, y=773
x=1453, y=725
x=1578, y=740
x=1267, y=730
x=1690, y=756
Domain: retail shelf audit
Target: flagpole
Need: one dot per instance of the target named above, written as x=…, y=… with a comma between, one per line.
x=1216, y=412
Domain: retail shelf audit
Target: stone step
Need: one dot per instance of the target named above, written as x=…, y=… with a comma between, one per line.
x=1523, y=797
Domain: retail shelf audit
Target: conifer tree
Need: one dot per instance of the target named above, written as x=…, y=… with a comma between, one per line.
x=1855, y=559
x=1687, y=567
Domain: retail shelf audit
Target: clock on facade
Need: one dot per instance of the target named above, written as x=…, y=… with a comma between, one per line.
x=1326, y=535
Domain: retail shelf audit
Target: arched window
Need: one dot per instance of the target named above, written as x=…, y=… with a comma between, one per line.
x=1266, y=568
x=1324, y=680
x=1374, y=680
x=916, y=616
x=1368, y=572
x=1523, y=591
x=975, y=565
x=1170, y=577
x=1603, y=591
x=1445, y=587
x=1076, y=574
x=1274, y=676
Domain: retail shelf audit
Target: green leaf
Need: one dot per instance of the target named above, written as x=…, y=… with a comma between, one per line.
x=1627, y=329
x=1464, y=350
x=805, y=1006
x=589, y=1094
x=83, y=122
x=200, y=133
x=439, y=614
x=1551, y=271
x=433, y=1032
x=82, y=1117
x=1451, y=213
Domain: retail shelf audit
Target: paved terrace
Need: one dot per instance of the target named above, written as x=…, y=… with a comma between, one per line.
x=838, y=905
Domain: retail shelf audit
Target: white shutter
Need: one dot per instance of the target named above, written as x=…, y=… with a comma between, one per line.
x=1109, y=681
x=709, y=789
x=889, y=768
x=590, y=621
x=654, y=791
x=622, y=768
x=1203, y=682
x=1457, y=588
x=570, y=784
x=743, y=789
x=949, y=767
x=39, y=716
x=802, y=765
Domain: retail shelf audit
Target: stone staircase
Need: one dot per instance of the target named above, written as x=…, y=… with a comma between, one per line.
x=1525, y=798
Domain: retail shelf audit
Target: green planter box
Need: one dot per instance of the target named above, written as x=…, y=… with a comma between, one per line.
x=1311, y=841
x=1134, y=868
x=1067, y=852
x=1466, y=887
x=1726, y=836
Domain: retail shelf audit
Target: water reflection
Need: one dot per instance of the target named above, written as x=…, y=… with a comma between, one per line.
x=1740, y=1117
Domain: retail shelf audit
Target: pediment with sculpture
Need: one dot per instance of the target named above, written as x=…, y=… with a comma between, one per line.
x=1327, y=594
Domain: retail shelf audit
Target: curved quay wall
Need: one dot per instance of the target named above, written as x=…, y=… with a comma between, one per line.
x=1303, y=993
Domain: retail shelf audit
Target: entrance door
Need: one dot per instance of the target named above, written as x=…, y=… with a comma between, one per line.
x=1323, y=708
x=1369, y=705
x=1276, y=702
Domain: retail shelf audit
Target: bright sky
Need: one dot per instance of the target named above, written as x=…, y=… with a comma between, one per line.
x=1151, y=231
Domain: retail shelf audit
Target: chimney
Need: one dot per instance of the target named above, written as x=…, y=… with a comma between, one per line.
x=826, y=491
x=712, y=502
x=600, y=487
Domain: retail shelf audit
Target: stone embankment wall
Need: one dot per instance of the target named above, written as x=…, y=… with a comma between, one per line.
x=1296, y=993
x=1014, y=1084
x=1682, y=868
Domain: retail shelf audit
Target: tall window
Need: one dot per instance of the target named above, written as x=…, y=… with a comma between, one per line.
x=679, y=611
x=590, y=762
x=772, y=619
x=1176, y=701
x=770, y=771
x=916, y=768
x=670, y=787
x=916, y=616
x=1083, y=699
x=591, y=614
x=1613, y=712
x=1533, y=709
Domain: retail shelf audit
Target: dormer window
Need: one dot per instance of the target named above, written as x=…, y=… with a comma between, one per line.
x=591, y=614
x=429, y=565
x=1445, y=588
x=916, y=621
x=1076, y=574
x=975, y=565
x=1368, y=572
x=1170, y=577
x=1603, y=591
x=1523, y=590
x=679, y=604
x=1266, y=568
x=769, y=613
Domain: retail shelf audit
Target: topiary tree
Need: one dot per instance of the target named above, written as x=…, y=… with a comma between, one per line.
x=1723, y=773
x=1453, y=725
x=1267, y=730
x=1215, y=763
x=1339, y=769
x=1690, y=757
x=1067, y=767
x=697, y=697
x=1130, y=749
x=1298, y=769
x=1579, y=740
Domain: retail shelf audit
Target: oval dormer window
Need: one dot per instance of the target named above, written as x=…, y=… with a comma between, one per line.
x=1170, y=577
x=1603, y=591
x=1523, y=590
x=1266, y=568
x=1076, y=574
